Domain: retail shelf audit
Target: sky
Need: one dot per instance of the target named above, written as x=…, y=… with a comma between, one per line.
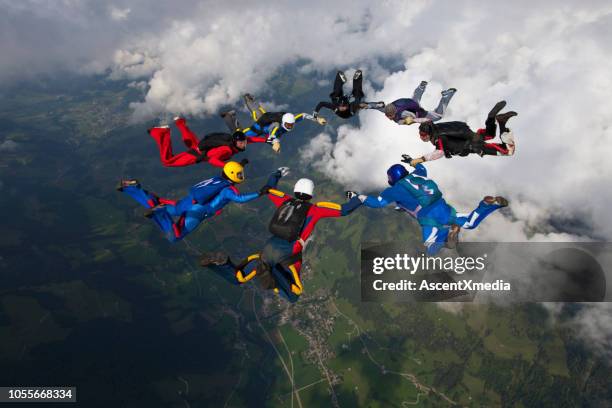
x=550, y=60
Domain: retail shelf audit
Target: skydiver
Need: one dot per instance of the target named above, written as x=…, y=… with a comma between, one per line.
x=204, y=200
x=457, y=139
x=406, y=111
x=214, y=148
x=346, y=106
x=271, y=126
x=278, y=264
x=421, y=198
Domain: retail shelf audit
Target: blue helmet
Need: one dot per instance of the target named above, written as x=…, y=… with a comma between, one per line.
x=396, y=173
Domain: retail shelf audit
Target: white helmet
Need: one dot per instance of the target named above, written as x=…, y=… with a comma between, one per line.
x=288, y=121
x=304, y=186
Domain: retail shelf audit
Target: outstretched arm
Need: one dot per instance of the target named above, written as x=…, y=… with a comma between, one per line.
x=378, y=202
x=256, y=139
x=384, y=199
x=434, y=155
x=350, y=206
x=217, y=156
x=276, y=176
x=324, y=104
x=231, y=195
x=314, y=117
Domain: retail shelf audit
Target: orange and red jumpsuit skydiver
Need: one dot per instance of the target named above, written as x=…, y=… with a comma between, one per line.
x=216, y=156
x=283, y=259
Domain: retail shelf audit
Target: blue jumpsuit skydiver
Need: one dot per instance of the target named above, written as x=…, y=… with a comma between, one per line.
x=204, y=200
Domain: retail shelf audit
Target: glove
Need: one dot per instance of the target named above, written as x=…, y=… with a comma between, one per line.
x=408, y=120
x=350, y=194
x=276, y=146
x=406, y=158
x=321, y=120
x=244, y=162
x=282, y=171
x=264, y=190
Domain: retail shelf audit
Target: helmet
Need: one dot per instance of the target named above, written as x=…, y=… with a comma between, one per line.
x=238, y=136
x=390, y=110
x=396, y=173
x=303, y=189
x=288, y=121
x=233, y=171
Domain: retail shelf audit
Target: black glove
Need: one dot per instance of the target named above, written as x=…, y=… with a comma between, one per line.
x=264, y=190
x=244, y=162
x=406, y=158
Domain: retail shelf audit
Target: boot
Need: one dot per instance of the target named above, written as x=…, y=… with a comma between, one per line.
x=342, y=76
x=449, y=91
x=356, y=76
x=229, y=112
x=214, y=258
x=248, y=98
x=127, y=183
x=502, y=119
x=498, y=200
x=496, y=109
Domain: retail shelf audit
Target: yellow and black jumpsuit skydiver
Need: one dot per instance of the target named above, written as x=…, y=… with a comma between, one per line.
x=282, y=259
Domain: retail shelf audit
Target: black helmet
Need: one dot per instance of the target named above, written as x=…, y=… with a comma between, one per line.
x=238, y=136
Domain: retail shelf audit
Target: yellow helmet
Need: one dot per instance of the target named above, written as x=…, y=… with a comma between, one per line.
x=234, y=171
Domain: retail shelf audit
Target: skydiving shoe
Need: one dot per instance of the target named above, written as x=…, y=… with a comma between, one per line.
x=498, y=200
x=503, y=118
x=342, y=76
x=449, y=92
x=214, y=258
x=229, y=112
x=453, y=236
x=248, y=99
x=158, y=129
x=127, y=183
x=178, y=120
x=423, y=84
x=356, y=76
x=151, y=211
x=496, y=109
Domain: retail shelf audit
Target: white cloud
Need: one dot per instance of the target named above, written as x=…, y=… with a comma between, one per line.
x=119, y=14
x=550, y=60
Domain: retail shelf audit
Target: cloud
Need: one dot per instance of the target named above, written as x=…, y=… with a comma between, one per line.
x=563, y=133
x=118, y=14
x=550, y=60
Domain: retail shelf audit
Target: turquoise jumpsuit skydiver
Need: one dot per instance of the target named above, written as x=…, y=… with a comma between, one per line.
x=283, y=258
x=204, y=200
x=421, y=198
